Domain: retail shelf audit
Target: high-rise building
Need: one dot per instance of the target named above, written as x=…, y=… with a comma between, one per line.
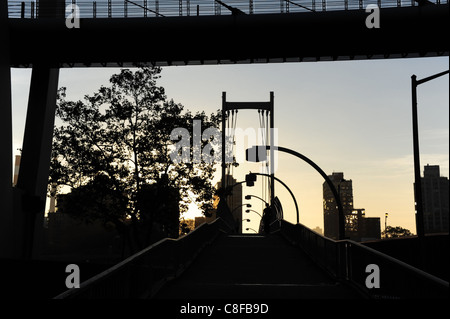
x=330, y=210
x=435, y=196
x=358, y=227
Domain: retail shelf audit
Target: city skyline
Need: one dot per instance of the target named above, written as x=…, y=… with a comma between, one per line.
x=351, y=116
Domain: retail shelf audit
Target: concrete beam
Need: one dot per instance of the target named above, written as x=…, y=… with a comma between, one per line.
x=260, y=38
x=6, y=210
x=36, y=155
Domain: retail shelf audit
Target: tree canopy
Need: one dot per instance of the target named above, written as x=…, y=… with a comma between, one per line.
x=113, y=151
x=395, y=232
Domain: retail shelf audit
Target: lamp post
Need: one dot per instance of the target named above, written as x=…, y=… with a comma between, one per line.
x=248, y=197
x=282, y=183
x=252, y=210
x=246, y=220
x=385, y=224
x=254, y=154
x=247, y=229
x=248, y=205
x=417, y=181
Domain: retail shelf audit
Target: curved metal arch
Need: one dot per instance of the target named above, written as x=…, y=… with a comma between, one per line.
x=341, y=219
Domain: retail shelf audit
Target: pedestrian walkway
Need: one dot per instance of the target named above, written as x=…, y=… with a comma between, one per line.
x=254, y=267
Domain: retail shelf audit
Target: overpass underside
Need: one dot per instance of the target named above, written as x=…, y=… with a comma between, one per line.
x=407, y=32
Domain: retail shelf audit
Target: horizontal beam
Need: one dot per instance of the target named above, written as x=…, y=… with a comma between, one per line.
x=248, y=105
x=262, y=38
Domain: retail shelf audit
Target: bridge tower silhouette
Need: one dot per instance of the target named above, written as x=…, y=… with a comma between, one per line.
x=230, y=111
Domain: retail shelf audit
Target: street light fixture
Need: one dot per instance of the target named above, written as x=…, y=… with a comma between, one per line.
x=417, y=181
x=252, y=210
x=282, y=183
x=385, y=223
x=248, y=197
x=251, y=229
x=247, y=205
x=257, y=154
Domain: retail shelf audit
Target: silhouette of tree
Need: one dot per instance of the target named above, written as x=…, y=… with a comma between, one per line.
x=113, y=151
x=395, y=232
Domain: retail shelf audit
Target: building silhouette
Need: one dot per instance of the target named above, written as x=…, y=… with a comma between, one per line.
x=16, y=169
x=330, y=212
x=358, y=227
x=234, y=200
x=435, y=193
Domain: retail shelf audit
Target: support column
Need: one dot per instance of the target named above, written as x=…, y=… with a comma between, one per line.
x=6, y=207
x=272, y=151
x=51, y=8
x=224, y=182
x=36, y=154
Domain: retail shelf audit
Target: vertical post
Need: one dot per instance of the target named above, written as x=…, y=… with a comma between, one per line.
x=22, y=10
x=6, y=146
x=224, y=98
x=36, y=154
x=145, y=8
x=94, y=9
x=272, y=151
x=416, y=154
x=385, y=224
x=51, y=8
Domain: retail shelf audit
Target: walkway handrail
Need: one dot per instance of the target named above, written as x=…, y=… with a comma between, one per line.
x=142, y=274
x=348, y=260
x=170, y=8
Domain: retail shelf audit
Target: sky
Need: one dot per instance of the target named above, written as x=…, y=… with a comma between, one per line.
x=346, y=116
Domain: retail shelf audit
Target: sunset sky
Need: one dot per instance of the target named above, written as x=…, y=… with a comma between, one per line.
x=350, y=116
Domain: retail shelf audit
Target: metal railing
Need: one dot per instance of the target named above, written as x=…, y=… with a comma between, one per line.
x=347, y=260
x=142, y=274
x=169, y=8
